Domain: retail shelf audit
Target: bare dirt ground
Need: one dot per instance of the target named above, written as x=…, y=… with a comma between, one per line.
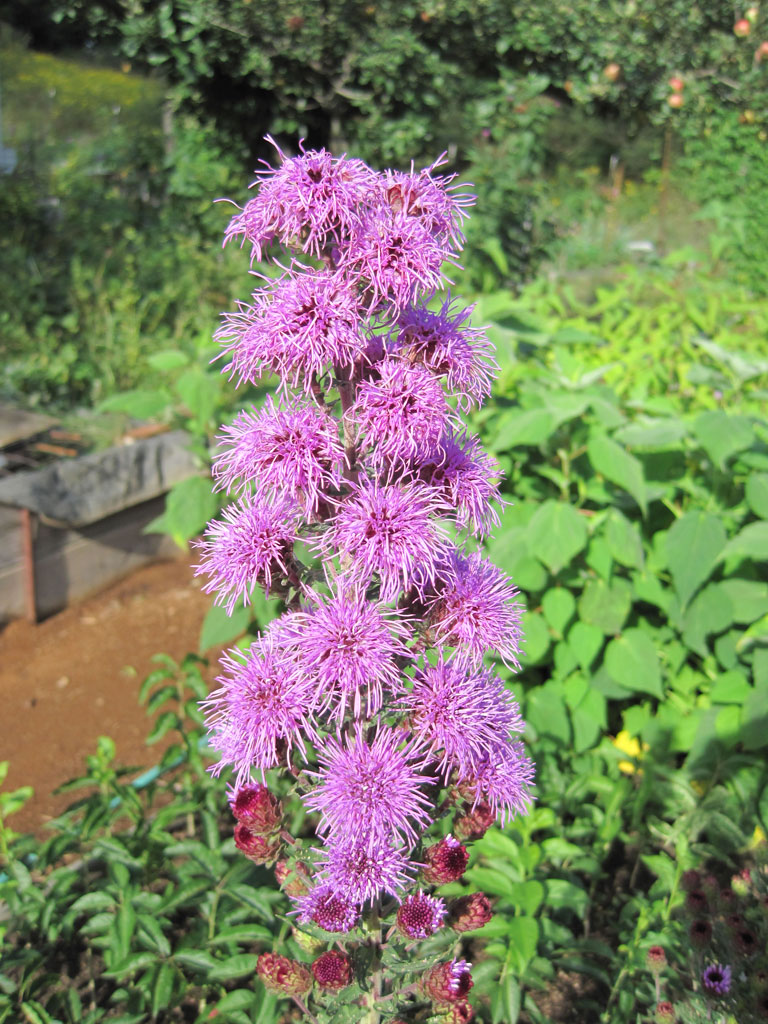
x=76, y=676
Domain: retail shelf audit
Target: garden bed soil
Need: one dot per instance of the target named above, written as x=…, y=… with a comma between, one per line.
x=74, y=677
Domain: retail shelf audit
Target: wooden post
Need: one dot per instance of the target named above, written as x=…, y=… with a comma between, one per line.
x=28, y=553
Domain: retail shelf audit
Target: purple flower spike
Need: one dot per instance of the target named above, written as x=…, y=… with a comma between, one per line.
x=329, y=910
x=475, y=608
x=298, y=328
x=438, y=204
x=446, y=344
x=717, y=979
x=348, y=648
x=466, y=479
x=368, y=790
x=461, y=712
x=503, y=779
x=389, y=530
x=293, y=452
x=401, y=411
x=361, y=872
x=310, y=200
x=262, y=707
x=249, y=545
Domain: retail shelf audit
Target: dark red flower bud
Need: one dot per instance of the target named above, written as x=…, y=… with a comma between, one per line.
x=656, y=959
x=473, y=824
x=292, y=878
x=332, y=970
x=259, y=849
x=446, y=861
x=665, y=1013
x=700, y=933
x=280, y=974
x=727, y=898
x=461, y=1012
x=255, y=807
x=746, y=941
x=690, y=880
x=447, y=982
x=470, y=912
x=696, y=901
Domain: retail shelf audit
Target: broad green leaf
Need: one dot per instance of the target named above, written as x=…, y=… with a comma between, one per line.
x=605, y=606
x=238, y=999
x=748, y=599
x=132, y=964
x=711, y=611
x=527, y=896
x=199, y=392
x=523, y=933
x=651, y=433
x=757, y=494
x=241, y=933
x=92, y=901
x=754, y=719
x=728, y=724
x=585, y=640
x=556, y=533
x=751, y=542
x=188, y=507
x=536, y=638
x=624, y=541
x=506, y=995
x=520, y=427
x=141, y=404
x=197, y=959
x=722, y=436
x=693, y=545
x=589, y=719
x=558, y=606
x=219, y=628
x=730, y=688
x=168, y=359
x=632, y=661
x=562, y=893
x=617, y=465
x=547, y=713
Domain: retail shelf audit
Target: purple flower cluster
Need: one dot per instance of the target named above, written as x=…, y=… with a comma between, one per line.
x=350, y=489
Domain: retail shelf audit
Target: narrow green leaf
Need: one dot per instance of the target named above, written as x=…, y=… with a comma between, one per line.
x=162, y=991
x=234, y=967
x=523, y=935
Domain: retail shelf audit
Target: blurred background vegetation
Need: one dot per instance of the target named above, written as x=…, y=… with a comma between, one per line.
x=618, y=252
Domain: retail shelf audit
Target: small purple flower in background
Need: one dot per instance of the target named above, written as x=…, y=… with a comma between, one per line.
x=247, y=547
x=446, y=344
x=717, y=979
x=420, y=915
x=388, y=530
x=367, y=790
x=292, y=452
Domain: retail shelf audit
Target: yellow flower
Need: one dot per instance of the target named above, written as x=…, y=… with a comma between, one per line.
x=632, y=747
x=758, y=837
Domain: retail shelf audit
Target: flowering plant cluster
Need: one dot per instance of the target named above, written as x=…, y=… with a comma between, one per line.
x=727, y=939
x=370, y=693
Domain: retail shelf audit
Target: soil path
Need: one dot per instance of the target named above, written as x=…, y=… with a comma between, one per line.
x=76, y=676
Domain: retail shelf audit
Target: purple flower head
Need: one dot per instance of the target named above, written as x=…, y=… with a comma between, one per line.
x=293, y=452
x=361, y=871
x=310, y=200
x=503, y=779
x=329, y=910
x=461, y=712
x=446, y=344
x=475, y=608
x=400, y=410
x=429, y=197
x=717, y=979
x=420, y=915
x=348, y=647
x=250, y=544
x=388, y=530
x=261, y=707
x=394, y=258
x=467, y=480
x=370, y=790
x=298, y=327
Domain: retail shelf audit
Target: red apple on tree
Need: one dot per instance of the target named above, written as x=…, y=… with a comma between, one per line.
x=612, y=71
x=675, y=100
x=676, y=84
x=742, y=28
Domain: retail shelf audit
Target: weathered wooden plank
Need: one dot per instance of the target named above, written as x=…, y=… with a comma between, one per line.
x=18, y=425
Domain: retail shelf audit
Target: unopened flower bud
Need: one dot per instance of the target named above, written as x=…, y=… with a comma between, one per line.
x=656, y=959
x=292, y=878
x=420, y=915
x=475, y=823
x=461, y=1012
x=259, y=849
x=696, y=901
x=446, y=861
x=665, y=1013
x=691, y=880
x=332, y=970
x=470, y=912
x=280, y=974
x=741, y=882
x=254, y=806
x=447, y=982
x=746, y=941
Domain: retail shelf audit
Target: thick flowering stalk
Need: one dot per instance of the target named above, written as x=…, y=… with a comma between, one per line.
x=354, y=491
